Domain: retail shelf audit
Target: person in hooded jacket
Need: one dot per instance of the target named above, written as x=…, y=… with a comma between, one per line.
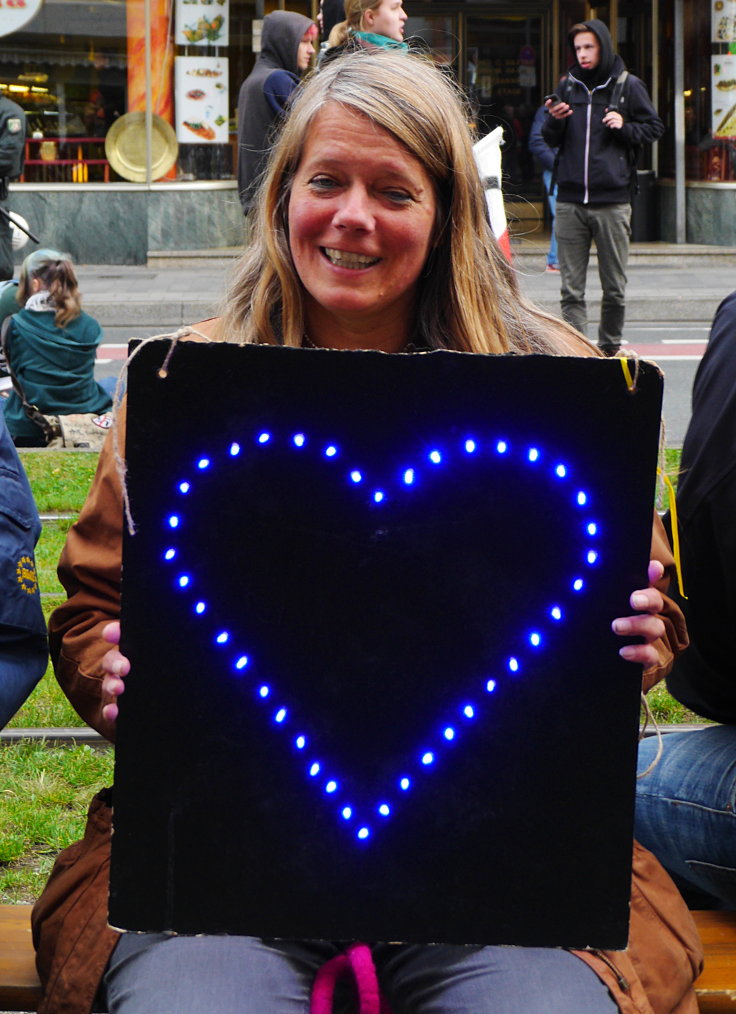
x=287, y=46
x=51, y=344
x=685, y=809
x=596, y=166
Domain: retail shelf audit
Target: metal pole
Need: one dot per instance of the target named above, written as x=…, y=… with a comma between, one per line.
x=149, y=93
x=680, y=194
x=655, y=77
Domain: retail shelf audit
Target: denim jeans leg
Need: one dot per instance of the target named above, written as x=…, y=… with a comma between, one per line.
x=685, y=809
x=444, y=979
x=611, y=225
x=551, y=201
x=152, y=973
x=573, y=252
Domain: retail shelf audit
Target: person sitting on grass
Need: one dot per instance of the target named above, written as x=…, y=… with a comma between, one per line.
x=370, y=233
x=51, y=345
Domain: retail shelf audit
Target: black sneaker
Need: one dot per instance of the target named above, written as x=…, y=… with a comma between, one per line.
x=609, y=350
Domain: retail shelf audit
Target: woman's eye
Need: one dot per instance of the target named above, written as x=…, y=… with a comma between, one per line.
x=322, y=183
x=398, y=196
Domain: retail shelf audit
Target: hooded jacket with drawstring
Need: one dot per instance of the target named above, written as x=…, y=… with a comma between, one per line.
x=264, y=94
x=595, y=161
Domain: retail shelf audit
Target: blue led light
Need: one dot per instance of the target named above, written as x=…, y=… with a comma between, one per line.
x=491, y=686
x=184, y=487
x=264, y=691
x=592, y=556
x=315, y=769
x=331, y=787
x=356, y=476
x=470, y=446
x=330, y=451
x=435, y=457
x=241, y=663
x=299, y=440
x=184, y=580
x=384, y=809
x=469, y=711
x=379, y=496
x=581, y=498
x=560, y=471
x=346, y=812
x=280, y=715
x=203, y=463
x=409, y=476
x=502, y=447
x=173, y=521
x=364, y=833
x=578, y=584
x=300, y=742
x=449, y=733
x=513, y=664
x=592, y=528
x=556, y=613
x=535, y=639
x=405, y=784
x=263, y=438
x=169, y=554
x=234, y=449
x=200, y=608
x=428, y=758
x=223, y=637
x=533, y=454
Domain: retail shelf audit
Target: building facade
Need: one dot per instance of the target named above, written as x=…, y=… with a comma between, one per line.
x=131, y=108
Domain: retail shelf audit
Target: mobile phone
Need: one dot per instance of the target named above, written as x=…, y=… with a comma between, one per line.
x=554, y=97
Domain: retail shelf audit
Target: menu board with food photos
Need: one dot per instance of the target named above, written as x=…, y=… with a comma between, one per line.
x=723, y=94
x=723, y=21
x=201, y=99
x=202, y=22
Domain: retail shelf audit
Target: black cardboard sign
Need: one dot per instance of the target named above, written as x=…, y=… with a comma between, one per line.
x=374, y=690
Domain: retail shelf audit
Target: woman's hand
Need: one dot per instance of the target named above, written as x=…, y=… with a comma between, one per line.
x=646, y=623
x=116, y=668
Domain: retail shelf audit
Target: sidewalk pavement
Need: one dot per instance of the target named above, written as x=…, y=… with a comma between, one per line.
x=666, y=284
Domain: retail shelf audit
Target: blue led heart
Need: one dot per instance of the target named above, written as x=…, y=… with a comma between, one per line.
x=377, y=496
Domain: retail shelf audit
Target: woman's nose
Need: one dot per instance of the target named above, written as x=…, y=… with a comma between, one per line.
x=354, y=211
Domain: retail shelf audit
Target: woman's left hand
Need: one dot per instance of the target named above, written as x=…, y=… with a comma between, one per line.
x=646, y=623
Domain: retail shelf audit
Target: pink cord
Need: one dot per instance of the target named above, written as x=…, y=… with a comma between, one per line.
x=358, y=962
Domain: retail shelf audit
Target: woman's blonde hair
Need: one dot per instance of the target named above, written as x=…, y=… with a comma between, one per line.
x=55, y=272
x=468, y=298
x=354, y=11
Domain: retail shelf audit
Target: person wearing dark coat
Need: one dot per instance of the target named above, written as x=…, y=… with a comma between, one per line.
x=12, y=148
x=546, y=155
x=596, y=165
x=286, y=49
x=686, y=807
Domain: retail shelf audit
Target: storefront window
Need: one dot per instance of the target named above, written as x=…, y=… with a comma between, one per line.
x=78, y=68
x=710, y=91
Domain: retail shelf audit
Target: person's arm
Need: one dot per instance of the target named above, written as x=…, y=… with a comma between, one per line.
x=537, y=144
x=12, y=143
x=90, y=571
x=641, y=125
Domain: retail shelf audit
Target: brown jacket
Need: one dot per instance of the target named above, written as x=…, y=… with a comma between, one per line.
x=73, y=942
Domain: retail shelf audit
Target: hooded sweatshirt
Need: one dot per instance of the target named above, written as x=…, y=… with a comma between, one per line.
x=264, y=94
x=596, y=162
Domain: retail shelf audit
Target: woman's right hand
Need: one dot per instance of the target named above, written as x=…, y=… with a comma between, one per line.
x=116, y=667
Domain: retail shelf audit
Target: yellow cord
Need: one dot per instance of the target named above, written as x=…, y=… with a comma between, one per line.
x=675, y=529
x=627, y=374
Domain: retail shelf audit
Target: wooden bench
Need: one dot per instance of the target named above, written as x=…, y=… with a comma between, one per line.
x=20, y=990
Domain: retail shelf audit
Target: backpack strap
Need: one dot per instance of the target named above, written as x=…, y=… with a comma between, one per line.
x=617, y=97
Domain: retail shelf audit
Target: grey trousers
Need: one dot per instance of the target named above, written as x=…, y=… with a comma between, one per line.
x=609, y=226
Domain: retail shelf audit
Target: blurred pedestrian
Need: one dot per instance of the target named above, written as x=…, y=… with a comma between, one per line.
x=546, y=155
x=602, y=117
x=369, y=24
x=12, y=151
x=287, y=46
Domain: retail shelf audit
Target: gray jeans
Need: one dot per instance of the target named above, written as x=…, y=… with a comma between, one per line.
x=609, y=226
x=154, y=974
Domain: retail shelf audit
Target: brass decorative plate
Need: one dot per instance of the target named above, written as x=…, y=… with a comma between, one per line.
x=125, y=147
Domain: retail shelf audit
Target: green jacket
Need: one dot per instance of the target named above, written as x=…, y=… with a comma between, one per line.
x=55, y=367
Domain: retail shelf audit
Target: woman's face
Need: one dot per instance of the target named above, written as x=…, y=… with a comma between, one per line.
x=387, y=19
x=362, y=215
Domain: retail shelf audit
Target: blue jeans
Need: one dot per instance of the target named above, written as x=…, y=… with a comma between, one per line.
x=155, y=974
x=685, y=812
x=551, y=201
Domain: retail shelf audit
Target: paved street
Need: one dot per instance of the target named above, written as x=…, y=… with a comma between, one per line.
x=669, y=307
